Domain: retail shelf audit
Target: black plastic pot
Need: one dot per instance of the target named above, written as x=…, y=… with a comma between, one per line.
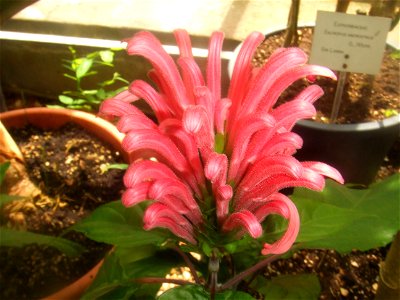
x=356, y=150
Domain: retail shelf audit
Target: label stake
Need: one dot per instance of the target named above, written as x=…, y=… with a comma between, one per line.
x=338, y=96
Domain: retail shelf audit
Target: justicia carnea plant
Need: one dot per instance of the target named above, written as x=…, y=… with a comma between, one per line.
x=212, y=168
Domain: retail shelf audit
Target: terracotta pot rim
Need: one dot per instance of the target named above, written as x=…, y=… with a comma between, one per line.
x=39, y=115
x=58, y=111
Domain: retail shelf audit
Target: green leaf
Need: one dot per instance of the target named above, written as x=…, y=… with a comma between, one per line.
x=290, y=287
x=107, y=56
x=101, y=94
x=121, y=293
x=233, y=295
x=390, y=112
x=187, y=292
x=116, y=77
x=106, y=167
x=89, y=92
x=3, y=169
x=343, y=219
x=110, y=94
x=121, y=267
x=72, y=50
x=70, y=76
x=395, y=54
x=196, y=292
x=55, y=106
x=92, y=99
x=79, y=102
x=65, y=99
x=115, y=224
x=119, y=78
x=16, y=238
x=110, y=276
x=127, y=255
x=84, y=65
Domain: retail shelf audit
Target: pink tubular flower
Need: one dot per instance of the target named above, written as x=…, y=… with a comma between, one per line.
x=220, y=161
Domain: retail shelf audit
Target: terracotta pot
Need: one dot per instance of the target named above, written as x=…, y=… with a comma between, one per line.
x=356, y=150
x=48, y=118
x=77, y=288
x=56, y=117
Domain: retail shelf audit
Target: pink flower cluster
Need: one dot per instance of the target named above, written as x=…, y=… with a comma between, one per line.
x=220, y=161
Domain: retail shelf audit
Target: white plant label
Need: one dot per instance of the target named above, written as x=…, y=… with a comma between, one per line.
x=349, y=43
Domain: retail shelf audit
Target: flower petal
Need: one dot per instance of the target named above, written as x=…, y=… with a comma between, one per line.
x=196, y=121
x=240, y=140
x=165, y=187
x=242, y=73
x=159, y=143
x=223, y=196
x=282, y=61
x=214, y=64
x=287, y=114
x=254, y=150
x=157, y=210
x=133, y=122
x=160, y=106
x=283, y=143
x=117, y=108
x=185, y=233
x=221, y=113
x=136, y=194
x=270, y=166
x=146, y=170
x=187, y=145
x=191, y=75
x=203, y=98
x=243, y=220
x=310, y=94
x=183, y=41
x=216, y=168
x=284, y=80
x=284, y=207
x=324, y=170
x=147, y=45
x=126, y=96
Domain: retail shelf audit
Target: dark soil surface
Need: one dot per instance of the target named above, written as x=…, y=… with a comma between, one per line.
x=342, y=276
x=67, y=164
x=360, y=103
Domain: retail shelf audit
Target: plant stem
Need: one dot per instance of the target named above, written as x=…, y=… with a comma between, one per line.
x=213, y=268
x=161, y=280
x=291, y=38
x=188, y=263
x=389, y=274
x=248, y=272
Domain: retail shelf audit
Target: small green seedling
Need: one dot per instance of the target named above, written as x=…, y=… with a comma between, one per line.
x=87, y=97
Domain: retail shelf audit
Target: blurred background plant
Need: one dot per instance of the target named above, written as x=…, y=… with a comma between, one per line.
x=87, y=97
